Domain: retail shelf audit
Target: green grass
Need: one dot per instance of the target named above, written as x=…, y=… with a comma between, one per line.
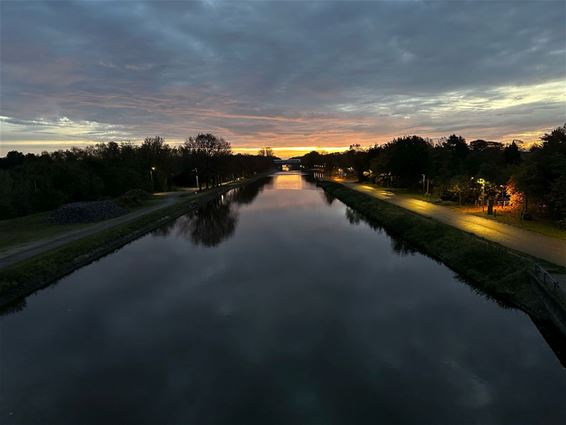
x=491, y=268
x=30, y=228
x=25, y=277
x=21, y=278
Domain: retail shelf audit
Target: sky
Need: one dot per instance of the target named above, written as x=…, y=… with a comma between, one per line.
x=292, y=75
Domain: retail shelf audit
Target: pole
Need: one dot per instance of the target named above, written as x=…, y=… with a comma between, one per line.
x=196, y=176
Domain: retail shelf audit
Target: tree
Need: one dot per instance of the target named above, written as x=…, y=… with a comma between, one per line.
x=209, y=152
x=407, y=158
x=32, y=183
x=512, y=154
x=266, y=151
x=457, y=146
x=460, y=184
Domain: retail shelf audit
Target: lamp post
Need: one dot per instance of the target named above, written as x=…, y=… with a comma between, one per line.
x=196, y=173
x=151, y=170
x=482, y=183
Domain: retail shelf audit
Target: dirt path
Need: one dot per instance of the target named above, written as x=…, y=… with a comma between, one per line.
x=535, y=244
x=28, y=250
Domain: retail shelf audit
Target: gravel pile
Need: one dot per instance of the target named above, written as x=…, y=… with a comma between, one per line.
x=86, y=212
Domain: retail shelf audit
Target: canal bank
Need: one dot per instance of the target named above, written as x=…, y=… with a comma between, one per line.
x=27, y=276
x=275, y=302
x=493, y=269
x=541, y=246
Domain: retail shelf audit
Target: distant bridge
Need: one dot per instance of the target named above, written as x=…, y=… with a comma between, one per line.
x=288, y=164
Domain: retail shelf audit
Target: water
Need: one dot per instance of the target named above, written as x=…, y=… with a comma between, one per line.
x=274, y=304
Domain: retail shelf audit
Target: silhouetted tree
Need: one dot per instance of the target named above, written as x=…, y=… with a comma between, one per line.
x=267, y=151
x=210, y=153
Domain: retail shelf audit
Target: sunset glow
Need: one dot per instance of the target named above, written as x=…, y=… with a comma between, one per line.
x=65, y=82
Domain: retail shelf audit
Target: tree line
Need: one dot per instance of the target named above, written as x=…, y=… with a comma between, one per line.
x=32, y=183
x=533, y=180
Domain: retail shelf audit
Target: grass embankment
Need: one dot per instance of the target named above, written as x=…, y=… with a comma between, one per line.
x=18, y=231
x=27, y=276
x=491, y=268
x=30, y=228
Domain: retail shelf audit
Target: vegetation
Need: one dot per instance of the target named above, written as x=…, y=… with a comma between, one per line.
x=31, y=227
x=26, y=276
x=33, y=183
x=481, y=172
x=493, y=269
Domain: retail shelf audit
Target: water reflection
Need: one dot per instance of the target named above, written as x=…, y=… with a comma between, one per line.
x=301, y=318
x=400, y=246
x=353, y=216
x=246, y=194
x=328, y=197
x=289, y=181
x=210, y=224
x=216, y=221
x=555, y=338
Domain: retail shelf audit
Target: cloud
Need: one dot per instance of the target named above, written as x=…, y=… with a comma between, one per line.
x=287, y=73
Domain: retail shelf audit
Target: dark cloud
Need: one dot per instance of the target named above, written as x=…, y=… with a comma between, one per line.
x=256, y=70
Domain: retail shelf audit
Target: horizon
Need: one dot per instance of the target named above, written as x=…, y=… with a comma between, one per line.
x=280, y=152
x=290, y=75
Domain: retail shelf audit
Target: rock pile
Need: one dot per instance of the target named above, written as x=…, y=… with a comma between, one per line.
x=86, y=212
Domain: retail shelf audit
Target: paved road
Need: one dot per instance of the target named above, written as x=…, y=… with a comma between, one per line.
x=28, y=250
x=536, y=244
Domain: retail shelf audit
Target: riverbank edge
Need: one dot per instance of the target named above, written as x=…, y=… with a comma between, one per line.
x=489, y=267
x=25, y=277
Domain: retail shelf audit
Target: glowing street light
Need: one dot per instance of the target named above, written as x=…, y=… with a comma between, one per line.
x=151, y=170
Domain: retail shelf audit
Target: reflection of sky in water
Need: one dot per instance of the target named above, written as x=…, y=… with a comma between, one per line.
x=287, y=181
x=296, y=315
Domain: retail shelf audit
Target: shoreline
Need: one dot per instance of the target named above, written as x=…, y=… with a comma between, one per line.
x=491, y=268
x=28, y=276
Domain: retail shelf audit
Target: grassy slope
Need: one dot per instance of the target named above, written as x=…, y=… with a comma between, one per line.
x=491, y=268
x=27, y=276
x=22, y=230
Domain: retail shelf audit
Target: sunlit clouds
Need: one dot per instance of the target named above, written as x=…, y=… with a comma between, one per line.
x=291, y=75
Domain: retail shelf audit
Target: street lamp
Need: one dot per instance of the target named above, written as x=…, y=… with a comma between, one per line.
x=196, y=173
x=482, y=184
x=151, y=170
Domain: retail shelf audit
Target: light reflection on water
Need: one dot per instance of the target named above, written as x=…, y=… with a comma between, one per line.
x=276, y=304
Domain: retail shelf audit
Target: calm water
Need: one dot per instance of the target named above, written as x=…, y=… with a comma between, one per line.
x=274, y=304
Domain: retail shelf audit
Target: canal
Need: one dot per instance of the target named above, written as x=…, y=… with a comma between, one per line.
x=272, y=304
